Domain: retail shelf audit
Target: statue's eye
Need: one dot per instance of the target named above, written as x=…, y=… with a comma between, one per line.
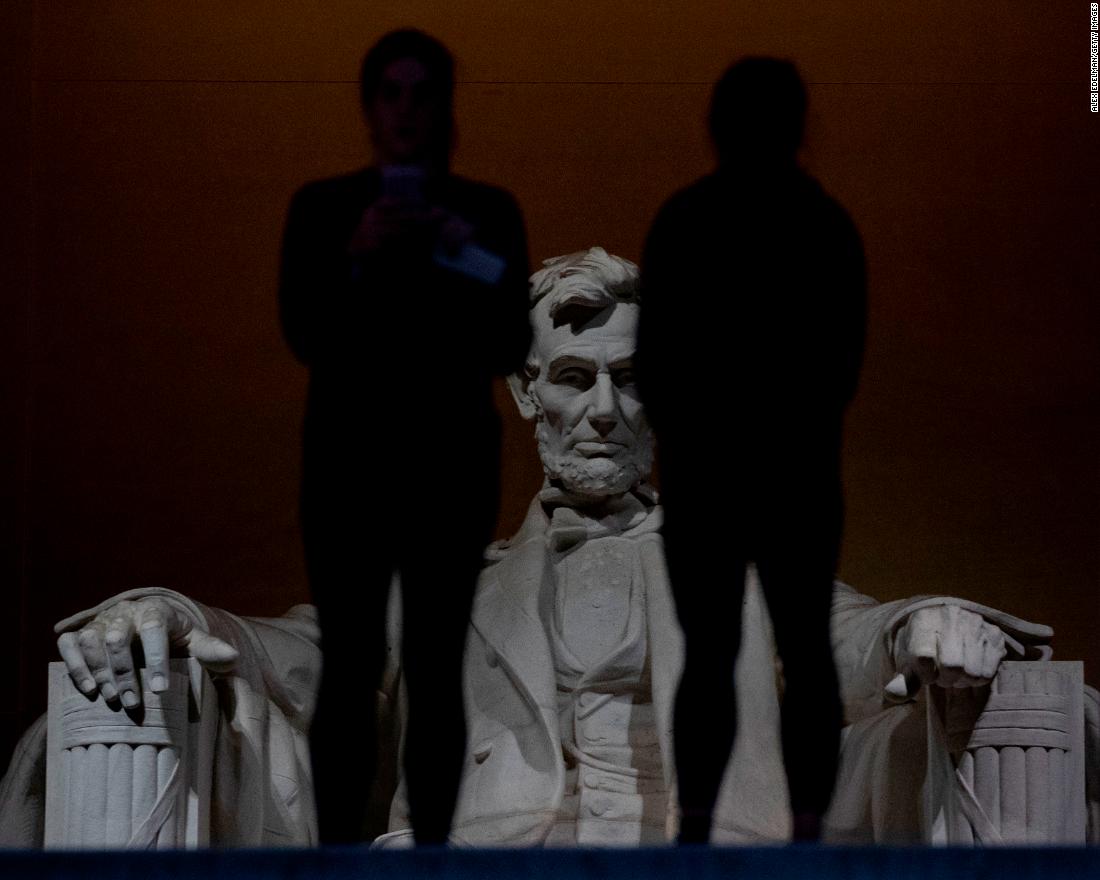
x=575, y=378
x=623, y=378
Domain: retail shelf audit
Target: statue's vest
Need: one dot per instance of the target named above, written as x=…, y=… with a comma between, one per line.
x=515, y=786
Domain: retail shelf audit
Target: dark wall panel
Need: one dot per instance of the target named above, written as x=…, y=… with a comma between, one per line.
x=16, y=298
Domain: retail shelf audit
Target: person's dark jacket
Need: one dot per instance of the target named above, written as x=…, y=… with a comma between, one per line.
x=754, y=302
x=396, y=344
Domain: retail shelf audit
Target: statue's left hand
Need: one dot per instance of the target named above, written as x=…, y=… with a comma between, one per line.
x=99, y=652
x=948, y=646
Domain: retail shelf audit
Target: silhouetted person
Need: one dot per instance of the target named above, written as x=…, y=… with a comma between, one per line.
x=404, y=289
x=753, y=299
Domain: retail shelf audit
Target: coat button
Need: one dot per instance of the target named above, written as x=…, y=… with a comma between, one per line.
x=591, y=780
x=598, y=808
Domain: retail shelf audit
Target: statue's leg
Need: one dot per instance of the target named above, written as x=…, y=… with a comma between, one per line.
x=706, y=574
x=880, y=781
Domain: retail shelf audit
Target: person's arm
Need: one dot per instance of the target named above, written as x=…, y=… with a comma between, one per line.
x=513, y=322
x=489, y=219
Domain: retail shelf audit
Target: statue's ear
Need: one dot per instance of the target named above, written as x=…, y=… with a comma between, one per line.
x=520, y=386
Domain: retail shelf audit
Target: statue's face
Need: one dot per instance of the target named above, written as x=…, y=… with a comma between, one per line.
x=592, y=431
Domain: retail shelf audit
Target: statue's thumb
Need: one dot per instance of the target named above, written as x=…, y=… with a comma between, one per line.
x=896, y=689
x=210, y=651
x=902, y=687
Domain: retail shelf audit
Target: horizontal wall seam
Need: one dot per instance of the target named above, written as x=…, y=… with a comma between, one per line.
x=547, y=82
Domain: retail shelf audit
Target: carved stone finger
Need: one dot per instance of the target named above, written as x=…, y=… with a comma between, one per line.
x=90, y=640
x=152, y=627
x=952, y=652
x=974, y=656
x=951, y=617
x=918, y=653
x=118, y=640
x=74, y=660
x=952, y=641
x=994, y=653
x=922, y=635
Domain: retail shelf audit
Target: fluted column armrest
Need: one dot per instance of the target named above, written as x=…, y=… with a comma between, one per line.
x=130, y=779
x=1006, y=763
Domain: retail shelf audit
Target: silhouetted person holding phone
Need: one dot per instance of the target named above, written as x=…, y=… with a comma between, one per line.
x=753, y=294
x=404, y=289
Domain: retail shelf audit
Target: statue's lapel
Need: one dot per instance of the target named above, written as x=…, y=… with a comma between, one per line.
x=666, y=643
x=506, y=613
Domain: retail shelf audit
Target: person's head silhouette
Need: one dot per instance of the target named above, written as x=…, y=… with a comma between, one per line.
x=757, y=115
x=406, y=86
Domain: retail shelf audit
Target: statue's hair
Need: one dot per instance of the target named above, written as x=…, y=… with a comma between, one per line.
x=578, y=286
x=586, y=282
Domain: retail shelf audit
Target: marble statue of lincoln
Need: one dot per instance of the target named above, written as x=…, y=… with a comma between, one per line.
x=573, y=652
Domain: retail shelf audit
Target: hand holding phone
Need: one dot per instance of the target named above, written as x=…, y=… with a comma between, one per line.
x=400, y=216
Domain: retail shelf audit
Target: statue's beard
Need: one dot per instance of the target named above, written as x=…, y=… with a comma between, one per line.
x=596, y=478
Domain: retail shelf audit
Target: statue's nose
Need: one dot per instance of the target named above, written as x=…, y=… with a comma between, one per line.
x=603, y=415
x=603, y=424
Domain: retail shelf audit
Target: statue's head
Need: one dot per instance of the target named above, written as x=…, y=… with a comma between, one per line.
x=578, y=382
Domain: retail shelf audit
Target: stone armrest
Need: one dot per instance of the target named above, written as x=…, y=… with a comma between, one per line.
x=117, y=779
x=1006, y=763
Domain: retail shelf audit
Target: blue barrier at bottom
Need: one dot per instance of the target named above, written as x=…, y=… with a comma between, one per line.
x=772, y=863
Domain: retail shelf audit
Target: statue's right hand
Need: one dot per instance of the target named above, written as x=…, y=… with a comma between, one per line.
x=99, y=654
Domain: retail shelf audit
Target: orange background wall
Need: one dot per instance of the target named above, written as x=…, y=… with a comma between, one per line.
x=151, y=411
